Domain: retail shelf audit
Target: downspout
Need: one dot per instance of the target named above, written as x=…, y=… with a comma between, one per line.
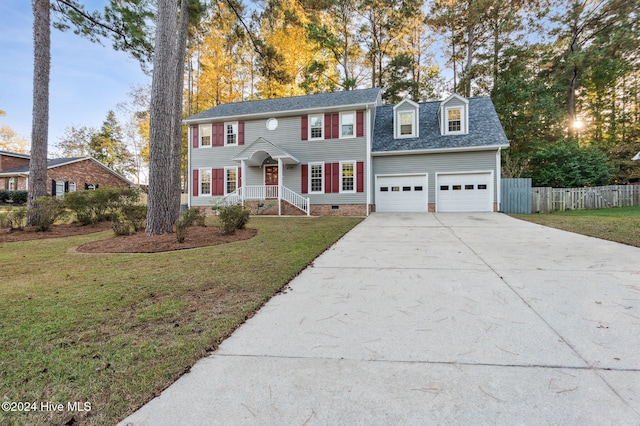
x=498, y=177
x=368, y=159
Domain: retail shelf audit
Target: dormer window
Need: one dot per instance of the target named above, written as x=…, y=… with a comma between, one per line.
x=405, y=119
x=454, y=120
x=454, y=115
x=406, y=123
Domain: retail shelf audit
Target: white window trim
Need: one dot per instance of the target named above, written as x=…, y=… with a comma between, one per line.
x=321, y=127
x=235, y=128
x=226, y=179
x=355, y=124
x=463, y=123
x=311, y=191
x=200, y=127
x=414, y=124
x=13, y=184
x=200, y=175
x=72, y=186
x=355, y=177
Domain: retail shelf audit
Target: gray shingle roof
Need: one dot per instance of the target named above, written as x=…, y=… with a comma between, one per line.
x=321, y=100
x=14, y=154
x=484, y=129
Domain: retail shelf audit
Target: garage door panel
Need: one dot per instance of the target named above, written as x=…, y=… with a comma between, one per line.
x=401, y=194
x=464, y=192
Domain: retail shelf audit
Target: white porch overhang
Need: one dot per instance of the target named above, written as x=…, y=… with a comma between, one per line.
x=261, y=149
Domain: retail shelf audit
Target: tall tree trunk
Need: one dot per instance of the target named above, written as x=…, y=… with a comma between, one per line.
x=40, y=119
x=161, y=204
x=176, y=144
x=470, y=46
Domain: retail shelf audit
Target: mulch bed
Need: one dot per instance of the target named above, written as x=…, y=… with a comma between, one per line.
x=198, y=236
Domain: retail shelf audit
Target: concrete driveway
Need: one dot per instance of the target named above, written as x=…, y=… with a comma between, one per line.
x=433, y=319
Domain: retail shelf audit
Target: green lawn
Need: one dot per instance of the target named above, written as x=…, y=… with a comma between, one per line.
x=115, y=330
x=621, y=224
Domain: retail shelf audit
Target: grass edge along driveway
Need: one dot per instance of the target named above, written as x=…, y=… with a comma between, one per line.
x=111, y=331
x=619, y=224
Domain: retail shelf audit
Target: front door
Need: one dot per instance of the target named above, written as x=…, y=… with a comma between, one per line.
x=271, y=175
x=271, y=181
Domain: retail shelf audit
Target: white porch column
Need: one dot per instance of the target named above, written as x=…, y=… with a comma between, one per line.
x=279, y=187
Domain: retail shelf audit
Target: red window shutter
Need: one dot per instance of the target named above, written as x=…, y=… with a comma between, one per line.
x=304, y=133
x=305, y=178
x=327, y=126
x=327, y=178
x=219, y=181
x=194, y=133
x=336, y=177
x=241, y=133
x=360, y=123
x=194, y=189
x=360, y=176
x=214, y=134
x=221, y=136
x=335, y=126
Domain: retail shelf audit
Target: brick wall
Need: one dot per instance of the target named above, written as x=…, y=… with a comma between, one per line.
x=7, y=162
x=83, y=173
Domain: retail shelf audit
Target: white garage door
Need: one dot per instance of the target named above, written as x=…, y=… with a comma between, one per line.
x=401, y=193
x=471, y=192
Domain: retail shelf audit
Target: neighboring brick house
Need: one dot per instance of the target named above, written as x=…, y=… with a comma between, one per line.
x=63, y=174
x=11, y=160
x=345, y=153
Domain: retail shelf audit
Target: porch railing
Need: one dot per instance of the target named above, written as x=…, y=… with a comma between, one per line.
x=264, y=192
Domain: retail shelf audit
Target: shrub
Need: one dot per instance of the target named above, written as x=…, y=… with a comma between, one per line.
x=101, y=204
x=5, y=219
x=16, y=197
x=194, y=216
x=121, y=225
x=47, y=210
x=136, y=214
x=232, y=218
x=182, y=228
x=18, y=217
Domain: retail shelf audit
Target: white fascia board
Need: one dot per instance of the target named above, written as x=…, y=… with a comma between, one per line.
x=277, y=114
x=437, y=150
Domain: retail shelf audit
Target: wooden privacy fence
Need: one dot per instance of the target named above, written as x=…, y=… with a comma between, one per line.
x=546, y=199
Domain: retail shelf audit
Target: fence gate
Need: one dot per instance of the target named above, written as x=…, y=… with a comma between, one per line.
x=515, y=195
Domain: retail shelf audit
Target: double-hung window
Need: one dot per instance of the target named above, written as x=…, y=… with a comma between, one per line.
x=347, y=176
x=316, y=177
x=316, y=126
x=205, y=181
x=454, y=120
x=205, y=135
x=231, y=134
x=406, y=124
x=230, y=179
x=347, y=124
x=72, y=187
x=60, y=189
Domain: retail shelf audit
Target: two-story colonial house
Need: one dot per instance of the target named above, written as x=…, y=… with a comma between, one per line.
x=345, y=153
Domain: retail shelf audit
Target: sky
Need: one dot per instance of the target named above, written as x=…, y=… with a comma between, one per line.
x=87, y=79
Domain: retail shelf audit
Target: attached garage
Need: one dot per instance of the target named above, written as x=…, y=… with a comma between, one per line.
x=406, y=193
x=464, y=192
